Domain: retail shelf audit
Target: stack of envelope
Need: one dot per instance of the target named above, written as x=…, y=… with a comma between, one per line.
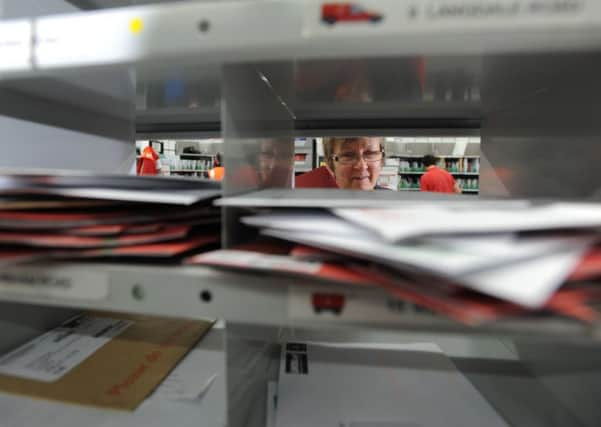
x=472, y=261
x=74, y=216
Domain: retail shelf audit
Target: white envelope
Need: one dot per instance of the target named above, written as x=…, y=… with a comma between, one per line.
x=410, y=385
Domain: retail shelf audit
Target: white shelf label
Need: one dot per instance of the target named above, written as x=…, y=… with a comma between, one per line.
x=485, y=9
x=15, y=46
x=382, y=16
x=341, y=306
x=52, y=355
x=60, y=283
x=103, y=37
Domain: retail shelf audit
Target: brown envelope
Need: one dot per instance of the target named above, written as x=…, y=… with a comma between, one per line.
x=123, y=372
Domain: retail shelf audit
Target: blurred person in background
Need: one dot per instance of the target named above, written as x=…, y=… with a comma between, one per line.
x=435, y=179
x=352, y=163
x=218, y=170
x=149, y=162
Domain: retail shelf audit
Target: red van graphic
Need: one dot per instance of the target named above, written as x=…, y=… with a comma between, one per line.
x=327, y=302
x=332, y=13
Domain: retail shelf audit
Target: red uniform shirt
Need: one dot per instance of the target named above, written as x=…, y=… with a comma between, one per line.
x=317, y=178
x=217, y=173
x=437, y=180
x=148, y=162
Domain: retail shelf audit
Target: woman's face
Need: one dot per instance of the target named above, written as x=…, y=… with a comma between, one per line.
x=353, y=169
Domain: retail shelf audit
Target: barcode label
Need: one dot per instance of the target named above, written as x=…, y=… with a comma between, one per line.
x=297, y=362
x=52, y=355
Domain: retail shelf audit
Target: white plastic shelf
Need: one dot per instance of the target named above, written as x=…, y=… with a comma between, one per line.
x=274, y=29
x=198, y=292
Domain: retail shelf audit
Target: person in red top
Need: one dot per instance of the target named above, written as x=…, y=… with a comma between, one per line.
x=322, y=177
x=435, y=179
x=218, y=170
x=149, y=162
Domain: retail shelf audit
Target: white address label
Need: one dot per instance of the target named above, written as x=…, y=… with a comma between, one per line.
x=66, y=283
x=52, y=355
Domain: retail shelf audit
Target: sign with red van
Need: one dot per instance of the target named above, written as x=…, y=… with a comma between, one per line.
x=327, y=302
x=332, y=13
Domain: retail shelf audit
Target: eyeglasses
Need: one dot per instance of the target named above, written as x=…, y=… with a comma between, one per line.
x=350, y=158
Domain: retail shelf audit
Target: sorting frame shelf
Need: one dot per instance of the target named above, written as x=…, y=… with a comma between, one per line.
x=202, y=32
x=82, y=39
x=256, y=299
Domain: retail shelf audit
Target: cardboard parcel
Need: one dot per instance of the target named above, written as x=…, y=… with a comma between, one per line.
x=101, y=359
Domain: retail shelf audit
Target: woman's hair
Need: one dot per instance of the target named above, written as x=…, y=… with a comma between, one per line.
x=330, y=145
x=429, y=160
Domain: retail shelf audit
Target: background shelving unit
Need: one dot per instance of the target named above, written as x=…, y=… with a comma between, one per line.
x=194, y=164
x=176, y=160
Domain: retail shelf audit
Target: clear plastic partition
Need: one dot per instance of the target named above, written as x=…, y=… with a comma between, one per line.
x=70, y=120
x=535, y=118
x=535, y=114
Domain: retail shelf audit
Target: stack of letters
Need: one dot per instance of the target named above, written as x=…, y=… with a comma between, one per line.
x=50, y=217
x=473, y=261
